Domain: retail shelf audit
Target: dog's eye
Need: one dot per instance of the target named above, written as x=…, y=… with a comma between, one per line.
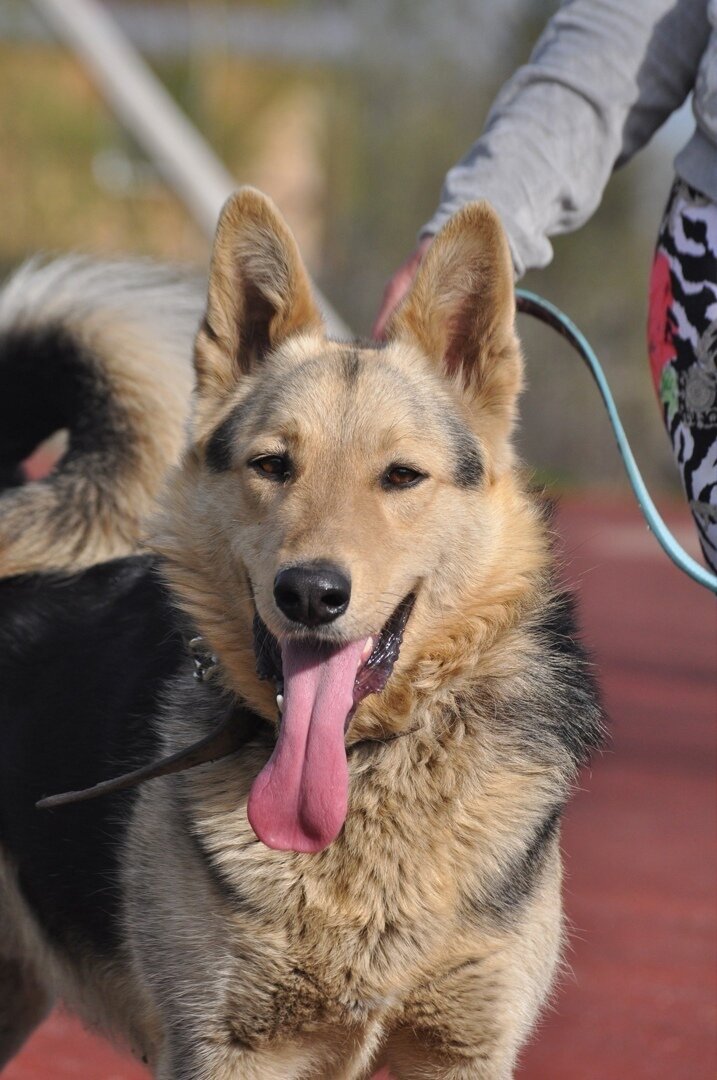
x=402, y=476
x=274, y=466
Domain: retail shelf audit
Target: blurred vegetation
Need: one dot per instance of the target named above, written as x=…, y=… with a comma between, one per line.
x=355, y=155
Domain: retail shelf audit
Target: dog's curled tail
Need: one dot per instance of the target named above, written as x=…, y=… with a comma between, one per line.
x=97, y=353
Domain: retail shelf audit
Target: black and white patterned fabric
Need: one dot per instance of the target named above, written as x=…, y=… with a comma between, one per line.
x=682, y=337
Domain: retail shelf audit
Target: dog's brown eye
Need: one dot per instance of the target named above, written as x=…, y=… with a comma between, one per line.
x=401, y=476
x=275, y=466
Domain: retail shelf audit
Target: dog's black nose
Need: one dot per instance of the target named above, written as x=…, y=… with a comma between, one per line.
x=313, y=594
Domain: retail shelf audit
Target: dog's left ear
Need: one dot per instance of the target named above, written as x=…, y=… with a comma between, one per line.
x=259, y=292
x=461, y=313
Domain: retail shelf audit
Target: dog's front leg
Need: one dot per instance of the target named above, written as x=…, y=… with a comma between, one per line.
x=411, y=1057
x=331, y=1054
x=216, y=1061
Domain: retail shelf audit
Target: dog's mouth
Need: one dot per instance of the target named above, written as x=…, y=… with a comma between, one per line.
x=299, y=800
x=374, y=670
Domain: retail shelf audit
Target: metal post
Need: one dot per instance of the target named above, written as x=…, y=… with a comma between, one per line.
x=146, y=109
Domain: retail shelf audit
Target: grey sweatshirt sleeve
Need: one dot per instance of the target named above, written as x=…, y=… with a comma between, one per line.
x=604, y=75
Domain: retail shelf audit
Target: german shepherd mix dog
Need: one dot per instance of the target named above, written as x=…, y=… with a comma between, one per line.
x=373, y=878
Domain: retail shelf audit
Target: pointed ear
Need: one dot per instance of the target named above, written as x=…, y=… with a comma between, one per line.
x=461, y=312
x=259, y=292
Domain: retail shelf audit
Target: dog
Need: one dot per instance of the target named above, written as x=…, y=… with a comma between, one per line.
x=370, y=876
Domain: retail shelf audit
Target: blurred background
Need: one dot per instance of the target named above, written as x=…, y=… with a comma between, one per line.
x=348, y=113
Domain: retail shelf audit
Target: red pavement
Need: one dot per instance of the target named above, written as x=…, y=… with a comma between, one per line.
x=640, y=840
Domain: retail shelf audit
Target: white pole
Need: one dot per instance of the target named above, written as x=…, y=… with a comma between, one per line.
x=146, y=109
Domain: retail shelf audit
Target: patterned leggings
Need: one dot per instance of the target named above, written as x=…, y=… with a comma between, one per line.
x=682, y=341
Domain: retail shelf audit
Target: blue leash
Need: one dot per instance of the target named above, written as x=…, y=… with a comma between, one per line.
x=530, y=304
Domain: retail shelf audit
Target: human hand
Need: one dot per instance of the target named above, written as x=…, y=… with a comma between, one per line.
x=398, y=286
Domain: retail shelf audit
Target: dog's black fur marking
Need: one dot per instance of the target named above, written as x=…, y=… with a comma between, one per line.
x=218, y=454
x=469, y=470
x=553, y=714
x=520, y=880
x=50, y=381
x=83, y=661
x=469, y=467
x=555, y=718
x=351, y=367
x=576, y=714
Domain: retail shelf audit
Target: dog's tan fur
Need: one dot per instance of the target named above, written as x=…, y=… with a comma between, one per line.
x=426, y=937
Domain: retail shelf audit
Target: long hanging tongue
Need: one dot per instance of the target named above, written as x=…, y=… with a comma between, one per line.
x=298, y=801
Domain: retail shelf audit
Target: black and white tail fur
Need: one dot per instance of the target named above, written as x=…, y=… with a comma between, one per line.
x=102, y=352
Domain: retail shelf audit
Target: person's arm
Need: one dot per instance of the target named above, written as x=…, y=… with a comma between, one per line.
x=604, y=75
x=602, y=79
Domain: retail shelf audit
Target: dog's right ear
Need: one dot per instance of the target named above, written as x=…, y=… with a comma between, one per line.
x=259, y=292
x=461, y=311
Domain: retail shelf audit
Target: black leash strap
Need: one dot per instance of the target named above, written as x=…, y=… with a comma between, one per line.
x=233, y=733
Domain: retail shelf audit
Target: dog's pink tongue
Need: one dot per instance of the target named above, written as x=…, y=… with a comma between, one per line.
x=298, y=801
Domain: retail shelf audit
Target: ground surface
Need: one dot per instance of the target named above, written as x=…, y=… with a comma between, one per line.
x=640, y=840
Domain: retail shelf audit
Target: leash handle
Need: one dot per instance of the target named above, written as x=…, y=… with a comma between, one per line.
x=531, y=304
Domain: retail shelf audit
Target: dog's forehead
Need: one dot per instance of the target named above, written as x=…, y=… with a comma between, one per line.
x=328, y=378
x=325, y=396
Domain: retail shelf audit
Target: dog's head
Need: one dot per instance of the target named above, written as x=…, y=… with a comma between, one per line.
x=342, y=505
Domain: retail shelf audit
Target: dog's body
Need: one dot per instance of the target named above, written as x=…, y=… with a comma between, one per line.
x=337, y=504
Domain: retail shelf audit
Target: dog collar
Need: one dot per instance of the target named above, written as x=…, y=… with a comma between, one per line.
x=203, y=659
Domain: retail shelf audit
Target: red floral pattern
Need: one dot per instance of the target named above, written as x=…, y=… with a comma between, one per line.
x=660, y=343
